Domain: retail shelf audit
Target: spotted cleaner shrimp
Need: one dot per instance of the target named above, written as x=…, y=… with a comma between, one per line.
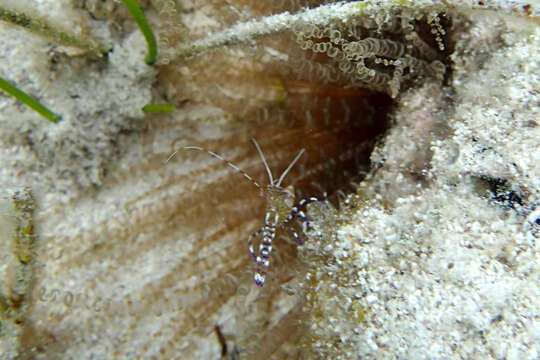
x=279, y=209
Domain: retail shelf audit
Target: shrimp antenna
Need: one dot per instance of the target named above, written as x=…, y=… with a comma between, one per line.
x=219, y=157
x=264, y=161
x=290, y=167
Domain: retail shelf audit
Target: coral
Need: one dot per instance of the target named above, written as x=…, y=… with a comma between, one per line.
x=438, y=264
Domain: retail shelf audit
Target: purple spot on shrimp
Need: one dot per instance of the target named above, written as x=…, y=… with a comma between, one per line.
x=259, y=279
